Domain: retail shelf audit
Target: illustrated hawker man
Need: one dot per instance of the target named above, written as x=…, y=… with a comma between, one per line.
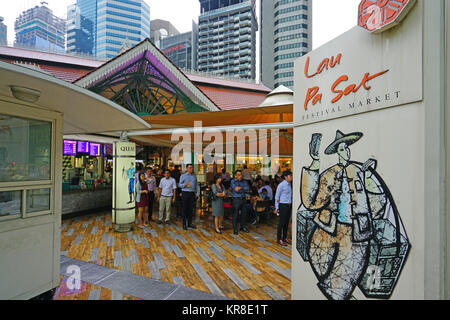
x=344, y=199
x=130, y=172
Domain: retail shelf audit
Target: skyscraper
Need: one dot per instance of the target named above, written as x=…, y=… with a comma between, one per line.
x=80, y=32
x=181, y=49
x=38, y=28
x=119, y=21
x=114, y=23
x=160, y=29
x=286, y=34
x=3, y=33
x=227, y=38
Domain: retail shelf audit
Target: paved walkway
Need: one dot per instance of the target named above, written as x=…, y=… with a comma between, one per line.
x=245, y=266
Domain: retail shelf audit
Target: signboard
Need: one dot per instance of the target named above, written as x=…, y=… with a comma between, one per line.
x=360, y=72
x=358, y=127
x=123, y=212
x=70, y=148
x=380, y=15
x=83, y=147
x=108, y=149
x=95, y=149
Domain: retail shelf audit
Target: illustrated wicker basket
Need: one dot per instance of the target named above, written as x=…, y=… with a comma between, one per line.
x=389, y=249
x=305, y=227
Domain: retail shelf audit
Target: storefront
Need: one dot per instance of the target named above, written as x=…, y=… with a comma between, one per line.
x=86, y=173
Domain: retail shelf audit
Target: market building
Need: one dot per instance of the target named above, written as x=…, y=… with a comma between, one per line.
x=166, y=99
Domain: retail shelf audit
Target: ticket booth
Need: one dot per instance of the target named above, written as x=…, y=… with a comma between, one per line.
x=371, y=214
x=35, y=111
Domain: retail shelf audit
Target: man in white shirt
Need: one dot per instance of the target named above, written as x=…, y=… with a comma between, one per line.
x=283, y=206
x=268, y=188
x=167, y=192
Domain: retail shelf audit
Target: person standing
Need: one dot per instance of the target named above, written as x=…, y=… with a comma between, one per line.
x=167, y=189
x=176, y=174
x=190, y=191
x=239, y=190
x=151, y=183
x=142, y=200
x=247, y=175
x=218, y=191
x=226, y=178
x=283, y=206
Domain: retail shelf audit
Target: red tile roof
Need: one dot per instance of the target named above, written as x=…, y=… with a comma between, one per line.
x=231, y=98
x=241, y=84
x=226, y=94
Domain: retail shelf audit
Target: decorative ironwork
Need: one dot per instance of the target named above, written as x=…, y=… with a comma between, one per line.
x=144, y=90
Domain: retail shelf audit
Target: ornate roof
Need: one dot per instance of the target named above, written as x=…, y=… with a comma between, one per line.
x=146, y=82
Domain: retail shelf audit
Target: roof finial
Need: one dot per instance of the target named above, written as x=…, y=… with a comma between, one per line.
x=126, y=45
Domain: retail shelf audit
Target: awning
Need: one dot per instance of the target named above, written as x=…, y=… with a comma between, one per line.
x=240, y=117
x=91, y=138
x=84, y=111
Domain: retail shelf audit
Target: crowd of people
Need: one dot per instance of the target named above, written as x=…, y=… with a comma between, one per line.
x=248, y=198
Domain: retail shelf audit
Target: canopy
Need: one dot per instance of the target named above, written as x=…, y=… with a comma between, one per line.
x=238, y=117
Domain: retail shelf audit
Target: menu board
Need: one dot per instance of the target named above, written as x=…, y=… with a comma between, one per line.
x=108, y=149
x=83, y=147
x=95, y=150
x=70, y=148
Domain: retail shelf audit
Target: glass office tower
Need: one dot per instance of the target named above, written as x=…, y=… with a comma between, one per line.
x=117, y=21
x=112, y=23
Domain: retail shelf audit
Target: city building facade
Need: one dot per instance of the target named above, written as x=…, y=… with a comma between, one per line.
x=227, y=38
x=160, y=29
x=39, y=28
x=102, y=27
x=118, y=22
x=182, y=49
x=80, y=32
x=286, y=35
x=3, y=32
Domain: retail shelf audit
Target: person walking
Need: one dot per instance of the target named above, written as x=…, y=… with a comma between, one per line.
x=190, y=191
x=283, y=207
x=239, y=190
x=151, y=183
x=142, y=200
x=167, y=189
x=219, y=192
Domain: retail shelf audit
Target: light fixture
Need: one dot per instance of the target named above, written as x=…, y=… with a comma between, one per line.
x=25, y=94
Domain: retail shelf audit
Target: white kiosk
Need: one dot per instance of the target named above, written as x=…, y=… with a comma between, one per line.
x=35, y=111
x=371, y=216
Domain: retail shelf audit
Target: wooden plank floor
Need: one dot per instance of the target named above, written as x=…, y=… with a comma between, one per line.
x=248, y=266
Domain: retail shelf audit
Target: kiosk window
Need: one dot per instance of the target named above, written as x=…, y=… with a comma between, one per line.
x=10, y=203
x=38, y=200
x=25, y=149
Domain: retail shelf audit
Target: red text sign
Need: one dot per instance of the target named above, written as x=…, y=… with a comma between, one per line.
x=380, y=15
x=341, y=87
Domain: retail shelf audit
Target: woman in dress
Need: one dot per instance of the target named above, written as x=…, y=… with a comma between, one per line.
x=218, y=191
x=142, y=200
